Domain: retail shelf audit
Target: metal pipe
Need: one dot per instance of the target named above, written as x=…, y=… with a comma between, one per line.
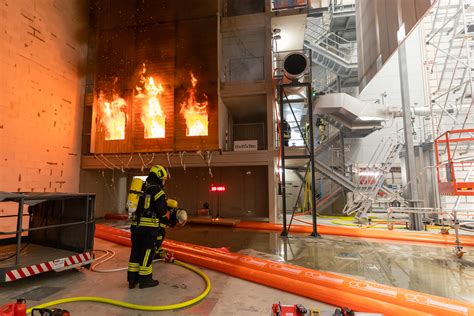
x=19, y=227
x=284, y=232
x=311, y=153
x=416, y=222
x=46, y=227
x=3, y=216
x=86, y=226
x=297, y=156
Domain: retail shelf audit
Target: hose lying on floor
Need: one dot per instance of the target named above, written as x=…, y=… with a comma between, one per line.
x=330, y=288
x=130, y=305
x=109, y=254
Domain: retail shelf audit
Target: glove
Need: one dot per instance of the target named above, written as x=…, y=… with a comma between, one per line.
x=166, y=256
x=169, y=257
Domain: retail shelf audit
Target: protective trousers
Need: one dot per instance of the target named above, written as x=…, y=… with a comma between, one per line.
x=142, y=253
x=160, y=252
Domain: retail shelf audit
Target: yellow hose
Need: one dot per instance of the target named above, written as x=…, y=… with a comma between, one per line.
x=342, y=218
x=135, y=306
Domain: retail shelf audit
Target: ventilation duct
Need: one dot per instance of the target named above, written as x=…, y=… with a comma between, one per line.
x=295, y=66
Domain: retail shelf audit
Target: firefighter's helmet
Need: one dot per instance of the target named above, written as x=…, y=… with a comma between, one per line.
x=159, y=171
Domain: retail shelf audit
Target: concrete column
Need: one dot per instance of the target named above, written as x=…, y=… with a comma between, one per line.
x=269, y=89
x=122, y=192
x=416, y=222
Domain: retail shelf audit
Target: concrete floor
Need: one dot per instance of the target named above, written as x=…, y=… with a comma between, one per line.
x=420, y=267
x=229, y=296
x=306, y=220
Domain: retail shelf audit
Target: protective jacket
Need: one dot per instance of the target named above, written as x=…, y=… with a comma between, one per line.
x=147, y=223
x=152, y=208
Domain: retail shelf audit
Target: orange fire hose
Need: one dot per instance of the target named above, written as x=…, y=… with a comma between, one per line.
x=320, y=293
x=322, y=286
x=364, y=233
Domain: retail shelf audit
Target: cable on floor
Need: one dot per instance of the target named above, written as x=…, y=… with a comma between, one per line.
x=109, y=254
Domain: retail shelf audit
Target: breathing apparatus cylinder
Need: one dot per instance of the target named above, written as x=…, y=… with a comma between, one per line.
x=134, y=195
x=172, y=203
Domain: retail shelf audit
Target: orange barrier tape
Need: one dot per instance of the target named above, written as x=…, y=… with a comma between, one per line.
x=322, y=286
x=363, y=233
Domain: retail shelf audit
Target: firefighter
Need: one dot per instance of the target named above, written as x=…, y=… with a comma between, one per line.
x=175, y=216
x=147, y=221
x=321, y=124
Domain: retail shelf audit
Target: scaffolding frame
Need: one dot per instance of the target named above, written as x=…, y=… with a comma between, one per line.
x=449, y=62
x=309, y=145
x=449, y=53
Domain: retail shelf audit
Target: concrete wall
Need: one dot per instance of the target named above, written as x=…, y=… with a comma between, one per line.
x=106, y=186
x=243, y=48
x=223, y=126
x=43, y=49
x=245, y=196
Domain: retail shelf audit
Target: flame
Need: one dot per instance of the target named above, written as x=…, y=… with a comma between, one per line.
x=112, y=116
x=194, y=112
x=153, y=117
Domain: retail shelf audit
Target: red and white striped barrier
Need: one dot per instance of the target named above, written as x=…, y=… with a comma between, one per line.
x=54, y=265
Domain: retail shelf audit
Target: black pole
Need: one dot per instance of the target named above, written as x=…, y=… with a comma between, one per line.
x=282, y=162
x=285, y=249
x=311, y=158
x=19, y=227
x=86, y=227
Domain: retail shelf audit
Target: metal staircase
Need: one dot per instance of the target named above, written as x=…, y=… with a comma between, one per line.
x=326, y=201
x=327, y=144
x=332, y=52
x=341, y=15
x=372, y=178
x=334, y=175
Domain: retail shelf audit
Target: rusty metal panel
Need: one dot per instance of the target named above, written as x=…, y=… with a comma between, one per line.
x=378, y=22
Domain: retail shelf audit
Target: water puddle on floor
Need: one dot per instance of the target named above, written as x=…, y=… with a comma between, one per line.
x=419, y=267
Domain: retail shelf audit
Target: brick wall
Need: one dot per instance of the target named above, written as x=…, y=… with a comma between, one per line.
x=43, y=46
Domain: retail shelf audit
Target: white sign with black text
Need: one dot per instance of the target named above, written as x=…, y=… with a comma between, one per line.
x=245, y=145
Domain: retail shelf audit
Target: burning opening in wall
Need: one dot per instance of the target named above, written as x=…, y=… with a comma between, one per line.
x=112, y=116
x=195, y=112
x=148, y=94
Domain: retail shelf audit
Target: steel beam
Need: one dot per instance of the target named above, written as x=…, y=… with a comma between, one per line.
x=284, y=232
x=416, y=222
